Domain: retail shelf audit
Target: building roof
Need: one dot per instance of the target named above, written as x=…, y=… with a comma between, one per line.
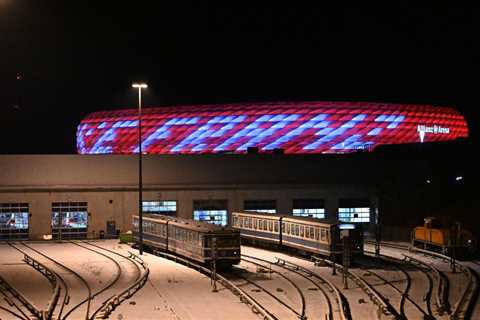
x=294, y=127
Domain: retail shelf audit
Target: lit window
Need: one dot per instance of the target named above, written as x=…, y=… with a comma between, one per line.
x=160, y=207
x=211, y=211
x=354, y=214
x=14, y=220
x=211, y=216
x=318, y=213
x=70, y=219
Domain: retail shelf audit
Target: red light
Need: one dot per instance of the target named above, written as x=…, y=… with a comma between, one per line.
x=296, y=127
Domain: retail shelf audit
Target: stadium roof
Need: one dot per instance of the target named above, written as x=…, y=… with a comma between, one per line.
x=293, y=127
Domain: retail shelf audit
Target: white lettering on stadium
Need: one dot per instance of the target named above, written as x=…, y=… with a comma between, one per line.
x=423, y=129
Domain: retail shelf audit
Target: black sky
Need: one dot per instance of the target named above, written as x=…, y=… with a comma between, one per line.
x=76, y=57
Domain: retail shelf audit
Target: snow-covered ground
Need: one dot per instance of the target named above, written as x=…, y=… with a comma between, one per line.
x=456, y=280
x=174, y=291
x=360, y=305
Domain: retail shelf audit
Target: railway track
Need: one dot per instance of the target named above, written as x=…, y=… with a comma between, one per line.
x=330, y=289
x=128, y=289
x=256, y=306
x=73, y=288
x=464, y=300
x=69, y=279
x=386, y=266
x=298, y=312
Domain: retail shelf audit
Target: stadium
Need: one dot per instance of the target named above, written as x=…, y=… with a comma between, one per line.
x=204, y=162
x=295, y=128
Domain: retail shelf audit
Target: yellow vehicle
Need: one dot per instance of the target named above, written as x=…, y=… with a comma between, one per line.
x=446, y=238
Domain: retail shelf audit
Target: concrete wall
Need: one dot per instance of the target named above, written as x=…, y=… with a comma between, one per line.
x=109, y=184
x=119, y=206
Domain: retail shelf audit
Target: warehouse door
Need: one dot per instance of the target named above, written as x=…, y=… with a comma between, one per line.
x=69, y=220
x=211, y=211
x=14, y=221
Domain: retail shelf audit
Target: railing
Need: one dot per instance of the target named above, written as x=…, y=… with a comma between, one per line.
x=244, y=297
x=20, y=297
x=374, y=296
x=52, y=277
x=332, y=287
x=116, y=300
x=463, y=305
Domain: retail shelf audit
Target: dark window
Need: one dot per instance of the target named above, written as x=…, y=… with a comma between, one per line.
x=268, y=206
x=314, y=208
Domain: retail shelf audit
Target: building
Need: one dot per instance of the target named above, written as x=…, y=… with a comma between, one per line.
x=295, y=128
x=92, y=195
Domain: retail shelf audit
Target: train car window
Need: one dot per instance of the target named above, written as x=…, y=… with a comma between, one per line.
x=270, y=226
x=255, y=226
x=323, y=236
x=275, y=226
x=317, y=234
x=297, y=230
x=307, y=232
x=302, y=231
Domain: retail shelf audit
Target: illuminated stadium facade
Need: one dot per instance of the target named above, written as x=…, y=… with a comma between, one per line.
x=295, y=128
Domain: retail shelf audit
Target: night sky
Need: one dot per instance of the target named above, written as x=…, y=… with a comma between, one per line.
x=76, y=57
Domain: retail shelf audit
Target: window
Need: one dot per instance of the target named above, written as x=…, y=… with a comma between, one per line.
x=354, y=210
x=314, y=208
x=323, y=235
x=14, y=219
x=354, y=214
x=267, y=206
x=211, y=211
x=168, y=208
x=69, y=215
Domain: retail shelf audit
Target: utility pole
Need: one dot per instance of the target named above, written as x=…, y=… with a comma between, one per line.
x=334, y=249
x=346, y=260
x=378, y=237
x=214, y=262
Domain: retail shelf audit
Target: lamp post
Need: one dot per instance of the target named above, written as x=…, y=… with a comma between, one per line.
x=140, y=86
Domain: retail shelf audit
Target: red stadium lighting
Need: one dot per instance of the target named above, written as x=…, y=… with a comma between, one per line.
x=295, y=128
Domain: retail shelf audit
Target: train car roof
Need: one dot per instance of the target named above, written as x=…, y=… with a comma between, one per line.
x=187, y=223
x=292, y=218
x=260, y=214
x=289, y=217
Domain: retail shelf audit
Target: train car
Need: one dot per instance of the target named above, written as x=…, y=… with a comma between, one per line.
x=444, y=238
x=310, y=235
x=258, y=226
x=198, y=241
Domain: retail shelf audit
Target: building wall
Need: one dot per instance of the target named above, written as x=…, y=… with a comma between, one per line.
x=119, y=206
x=109, y=184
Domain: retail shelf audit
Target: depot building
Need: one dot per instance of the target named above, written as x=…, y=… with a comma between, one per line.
x=205, y=162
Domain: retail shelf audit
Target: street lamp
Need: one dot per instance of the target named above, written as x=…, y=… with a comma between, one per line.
x=140, y=86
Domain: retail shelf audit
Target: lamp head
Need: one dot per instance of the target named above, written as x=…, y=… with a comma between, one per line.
x=140, y=85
